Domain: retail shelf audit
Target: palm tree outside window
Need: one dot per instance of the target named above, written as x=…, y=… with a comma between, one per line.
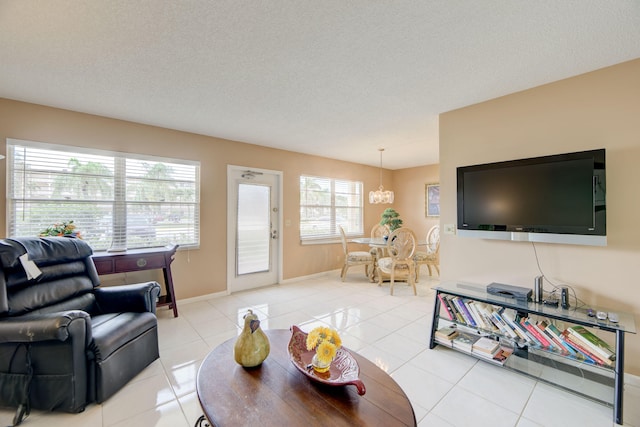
x=117, y=200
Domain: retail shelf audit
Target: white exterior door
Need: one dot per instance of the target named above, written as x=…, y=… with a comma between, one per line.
x=253, y=229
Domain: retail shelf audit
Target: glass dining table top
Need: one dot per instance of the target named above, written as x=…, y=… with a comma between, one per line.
x=380, y=242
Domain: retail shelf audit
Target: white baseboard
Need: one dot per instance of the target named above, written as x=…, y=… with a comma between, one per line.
x=311, y=276
x=283, y=282
x=203, y=297
x=630, y=379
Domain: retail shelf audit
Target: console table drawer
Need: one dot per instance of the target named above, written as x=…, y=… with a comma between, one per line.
x=139, y=263
x=139, y=260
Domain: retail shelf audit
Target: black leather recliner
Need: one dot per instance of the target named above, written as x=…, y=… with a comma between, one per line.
x=64, y=341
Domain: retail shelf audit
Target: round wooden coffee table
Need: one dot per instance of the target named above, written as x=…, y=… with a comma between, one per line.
x=277, y=394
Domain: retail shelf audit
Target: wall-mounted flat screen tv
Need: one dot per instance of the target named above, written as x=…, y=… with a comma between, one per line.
x=554, y=199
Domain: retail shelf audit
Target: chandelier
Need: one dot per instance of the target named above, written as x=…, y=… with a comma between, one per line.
x=380, y=196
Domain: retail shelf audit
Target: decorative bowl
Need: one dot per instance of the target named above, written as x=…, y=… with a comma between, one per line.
x=344, y=368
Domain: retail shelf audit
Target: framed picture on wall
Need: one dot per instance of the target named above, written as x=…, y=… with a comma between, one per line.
x=432, y=200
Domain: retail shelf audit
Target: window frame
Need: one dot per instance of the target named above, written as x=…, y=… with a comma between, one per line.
x=354, y=223
x=120, y=173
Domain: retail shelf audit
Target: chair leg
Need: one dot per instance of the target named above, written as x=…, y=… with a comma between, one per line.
x=437, y=268
x=417, y=273
x=343, y=273
x=429, y=268
x=413, y=282
x=391, y=282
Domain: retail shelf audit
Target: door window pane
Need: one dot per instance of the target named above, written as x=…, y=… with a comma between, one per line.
x=253, y=229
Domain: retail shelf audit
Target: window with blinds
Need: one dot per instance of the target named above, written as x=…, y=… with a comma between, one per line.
x=326, y=203
x=115, y=200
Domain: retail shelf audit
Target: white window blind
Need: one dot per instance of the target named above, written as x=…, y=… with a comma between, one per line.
x=326, y=203
x=116, y=200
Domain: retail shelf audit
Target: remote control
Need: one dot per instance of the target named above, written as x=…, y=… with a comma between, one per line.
x=613, y=317
x=590, y=312
x=601, y=315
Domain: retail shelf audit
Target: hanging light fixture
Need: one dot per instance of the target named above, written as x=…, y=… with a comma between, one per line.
x=380, y=196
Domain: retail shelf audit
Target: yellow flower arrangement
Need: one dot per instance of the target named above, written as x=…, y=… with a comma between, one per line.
x=325, y=341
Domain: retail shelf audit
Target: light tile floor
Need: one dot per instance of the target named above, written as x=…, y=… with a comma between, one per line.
x=446, y=388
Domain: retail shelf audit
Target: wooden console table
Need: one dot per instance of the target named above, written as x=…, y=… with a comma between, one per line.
x=139, y=260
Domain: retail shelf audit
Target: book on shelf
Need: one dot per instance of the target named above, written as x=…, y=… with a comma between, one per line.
x=446, y=308
x=552, y=329
x=553, y=346
x=473, y=309
x=444, y=342
x=586, y=351
x=464, y=341
x=454, y=309
x=506, y=329
x=486, y=346
x=542, y=340
x=598, y=345
x=517, y=328
x=463, y=310
x=502, y=355
x=483, y=312
x=557, y=340
x=579, y=358
x=497, y=323
x=532, y=339
x=499, y=357
x=447, y=333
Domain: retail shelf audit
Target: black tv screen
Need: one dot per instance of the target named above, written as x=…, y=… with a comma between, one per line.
x=558, y=198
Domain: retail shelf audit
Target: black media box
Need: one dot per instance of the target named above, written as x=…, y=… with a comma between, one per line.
x=509, y=291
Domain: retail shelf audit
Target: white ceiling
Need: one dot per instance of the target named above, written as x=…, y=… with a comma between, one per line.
x=336, y=78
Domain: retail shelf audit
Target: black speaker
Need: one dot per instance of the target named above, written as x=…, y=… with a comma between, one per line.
x=564, y=297
x=538, y=289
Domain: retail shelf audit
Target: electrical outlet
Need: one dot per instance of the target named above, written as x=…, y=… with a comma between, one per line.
x=449, y=229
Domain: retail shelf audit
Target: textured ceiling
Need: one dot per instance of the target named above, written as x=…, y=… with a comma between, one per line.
x=336, y=78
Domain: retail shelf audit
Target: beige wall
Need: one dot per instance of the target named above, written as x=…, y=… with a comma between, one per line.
x=410, y=197
x=595, y=110
x=203, y=271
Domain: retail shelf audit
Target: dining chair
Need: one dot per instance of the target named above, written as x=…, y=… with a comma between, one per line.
x=378, y=231
x=354, y=257
x=430, y=257
x=399, y=265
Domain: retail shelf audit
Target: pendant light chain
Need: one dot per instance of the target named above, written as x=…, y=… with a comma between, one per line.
x=380, y=196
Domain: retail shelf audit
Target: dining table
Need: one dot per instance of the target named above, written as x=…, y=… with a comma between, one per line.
x=380, y=244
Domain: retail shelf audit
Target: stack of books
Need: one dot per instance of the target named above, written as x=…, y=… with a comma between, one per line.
x=446, y=335
x=485, y=347
x=491, y=350
x=464, y=341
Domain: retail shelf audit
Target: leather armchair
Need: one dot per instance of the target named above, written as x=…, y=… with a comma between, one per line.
x=64, y=341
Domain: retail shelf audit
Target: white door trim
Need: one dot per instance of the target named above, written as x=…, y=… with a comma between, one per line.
x=231, y=223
